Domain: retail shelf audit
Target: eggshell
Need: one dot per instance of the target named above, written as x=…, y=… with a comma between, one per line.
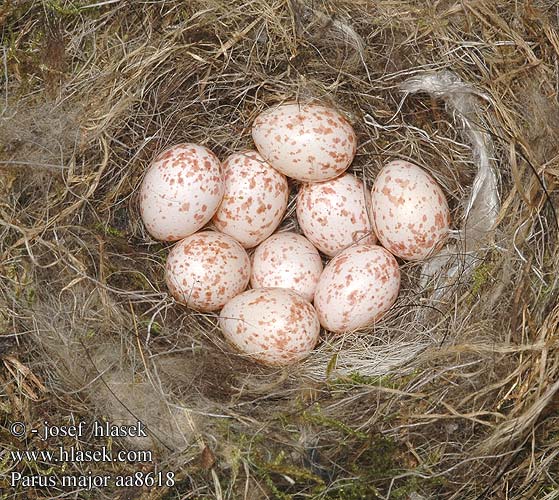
x=180, y=191
x=308, y=142
x=206, y=270
x=274, y=326
x=254, y=201
x=287, y=260
x=333, y=214
x=356, y=288
x=410, y=212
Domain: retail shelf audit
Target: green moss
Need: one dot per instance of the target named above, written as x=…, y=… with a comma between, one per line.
x=23, y=57
x=155, y=327
x=379, y=458
x=67, y=8
x=109, y=230
x=315, y=416
x=354, y=490
x=480, y=277
x=271, y=471
x=547, y=491
x=64, y=9
x=370, y=461
x=416, y=484
x=31, y=296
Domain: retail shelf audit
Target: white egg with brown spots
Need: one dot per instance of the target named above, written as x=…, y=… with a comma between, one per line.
x=308, y=142
x=409, y=210
x=287, y=260
x=180, y=191
x=274, y=326
x=254, y=200
x=334, y=214
x=357, y=288
x=206, y=270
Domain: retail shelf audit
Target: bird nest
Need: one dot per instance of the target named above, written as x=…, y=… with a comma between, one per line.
x=452, y=395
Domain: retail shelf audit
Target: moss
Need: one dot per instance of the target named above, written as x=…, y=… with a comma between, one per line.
x=271, y=473
x=372, y=472
x=354, y=490
x=316, y=417
x=62, y=8
x=109, y=230
x=379, y=458
x=23, y=58
x=480, y=277
x=155, y=327
x=70, y=8
x=416, y=484
x=31, y=296
x=374, y=469
x=371, y=458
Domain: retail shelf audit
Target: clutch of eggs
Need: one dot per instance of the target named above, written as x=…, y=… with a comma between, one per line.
x=246, y=197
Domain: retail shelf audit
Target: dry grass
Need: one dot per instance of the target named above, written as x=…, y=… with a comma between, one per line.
x=453, y=398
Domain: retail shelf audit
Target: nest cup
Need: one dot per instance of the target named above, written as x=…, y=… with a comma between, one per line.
x=437, y=399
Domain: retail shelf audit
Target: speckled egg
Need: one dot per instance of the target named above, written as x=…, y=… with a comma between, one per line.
x=409, y=210
x=287, y=260
x=356, y=288
x=254, y=200
x=308, y=142
x=333, y=214
x=181, y=191
x=206, y=270
x=274, y=326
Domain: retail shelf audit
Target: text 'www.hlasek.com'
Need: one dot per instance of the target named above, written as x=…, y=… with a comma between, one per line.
x=41, y=467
